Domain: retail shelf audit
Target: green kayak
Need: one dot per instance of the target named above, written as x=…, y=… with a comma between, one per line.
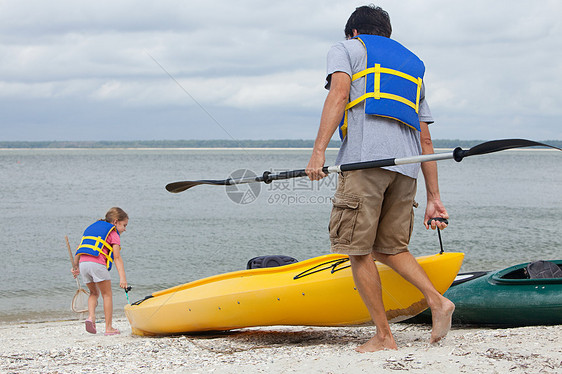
x=508, y=297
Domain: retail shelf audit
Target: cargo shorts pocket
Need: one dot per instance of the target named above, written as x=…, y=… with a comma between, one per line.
x=343, y=218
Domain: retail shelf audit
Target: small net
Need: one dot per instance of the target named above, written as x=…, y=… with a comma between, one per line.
x=80, y=300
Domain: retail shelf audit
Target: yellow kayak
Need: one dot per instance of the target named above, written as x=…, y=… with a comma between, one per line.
x=315, y=292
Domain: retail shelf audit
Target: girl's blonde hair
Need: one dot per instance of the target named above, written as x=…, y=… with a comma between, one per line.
x=115, y=213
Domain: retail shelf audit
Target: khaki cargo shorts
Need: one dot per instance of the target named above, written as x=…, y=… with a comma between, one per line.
x=372, y=211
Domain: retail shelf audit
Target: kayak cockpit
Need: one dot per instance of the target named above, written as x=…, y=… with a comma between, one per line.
x=538, y=272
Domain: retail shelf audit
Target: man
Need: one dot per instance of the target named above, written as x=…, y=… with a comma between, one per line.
x=376, y=97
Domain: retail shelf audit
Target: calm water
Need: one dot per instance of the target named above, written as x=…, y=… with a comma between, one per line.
x=505, y=208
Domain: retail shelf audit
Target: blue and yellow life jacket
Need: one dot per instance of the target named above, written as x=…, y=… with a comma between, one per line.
x=393, y=82
x=94, y=240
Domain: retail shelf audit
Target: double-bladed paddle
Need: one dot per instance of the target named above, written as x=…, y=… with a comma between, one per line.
x=457, y=154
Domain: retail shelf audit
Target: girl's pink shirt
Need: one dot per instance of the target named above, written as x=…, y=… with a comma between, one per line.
x=112, y=239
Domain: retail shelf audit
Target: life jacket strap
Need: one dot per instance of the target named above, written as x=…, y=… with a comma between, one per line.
x=377, y=70
x=97, y=247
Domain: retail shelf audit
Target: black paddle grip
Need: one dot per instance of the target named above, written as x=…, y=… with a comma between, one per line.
x=439, y=219
x=288, y=174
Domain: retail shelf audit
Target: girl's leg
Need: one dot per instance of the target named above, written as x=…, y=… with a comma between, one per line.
x=92, y=301
x=106, y=294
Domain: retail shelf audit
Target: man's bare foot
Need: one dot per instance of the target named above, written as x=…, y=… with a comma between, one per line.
x=441, y=319
x=376, y=343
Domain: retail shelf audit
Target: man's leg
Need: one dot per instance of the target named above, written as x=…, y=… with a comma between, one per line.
x=368, y=283
x=442, y=308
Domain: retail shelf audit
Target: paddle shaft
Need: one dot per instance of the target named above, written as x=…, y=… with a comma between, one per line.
x=388, y=162
x=268, y=177
x=458, y=154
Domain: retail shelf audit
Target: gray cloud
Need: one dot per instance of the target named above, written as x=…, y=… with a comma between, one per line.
x=77, y=70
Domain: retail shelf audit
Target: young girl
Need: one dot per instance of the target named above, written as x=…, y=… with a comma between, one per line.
x=99, y=249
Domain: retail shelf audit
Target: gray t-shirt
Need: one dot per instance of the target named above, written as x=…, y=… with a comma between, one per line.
x=372, y=137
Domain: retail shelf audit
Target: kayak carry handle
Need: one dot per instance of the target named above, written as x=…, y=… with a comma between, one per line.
x=127, y=293
x=438, y=219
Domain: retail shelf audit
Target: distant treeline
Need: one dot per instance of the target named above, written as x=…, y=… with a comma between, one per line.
x=283, y=143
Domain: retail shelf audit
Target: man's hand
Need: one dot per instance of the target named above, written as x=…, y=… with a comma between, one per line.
x=314, y=167
x=435, y=208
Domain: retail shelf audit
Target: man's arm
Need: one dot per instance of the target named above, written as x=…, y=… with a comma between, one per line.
x=434, y=207
x=332, y=113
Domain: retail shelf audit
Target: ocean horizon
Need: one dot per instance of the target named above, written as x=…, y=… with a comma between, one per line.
x=505, y=208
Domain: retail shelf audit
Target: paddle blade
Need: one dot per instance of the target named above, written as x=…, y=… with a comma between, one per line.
x=496, y=146
x=177, y=187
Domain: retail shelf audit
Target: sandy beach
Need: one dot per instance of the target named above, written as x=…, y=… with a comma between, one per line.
x=65, y=347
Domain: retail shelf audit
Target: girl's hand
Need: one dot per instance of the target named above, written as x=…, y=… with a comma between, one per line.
x=75, y=272
x=123, y=284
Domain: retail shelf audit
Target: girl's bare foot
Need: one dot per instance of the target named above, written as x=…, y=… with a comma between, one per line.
x=112, y=331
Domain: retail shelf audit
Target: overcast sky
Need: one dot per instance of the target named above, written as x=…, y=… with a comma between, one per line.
x=249, y=69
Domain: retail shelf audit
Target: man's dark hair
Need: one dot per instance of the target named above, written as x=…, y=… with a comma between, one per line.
x=369, y=19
